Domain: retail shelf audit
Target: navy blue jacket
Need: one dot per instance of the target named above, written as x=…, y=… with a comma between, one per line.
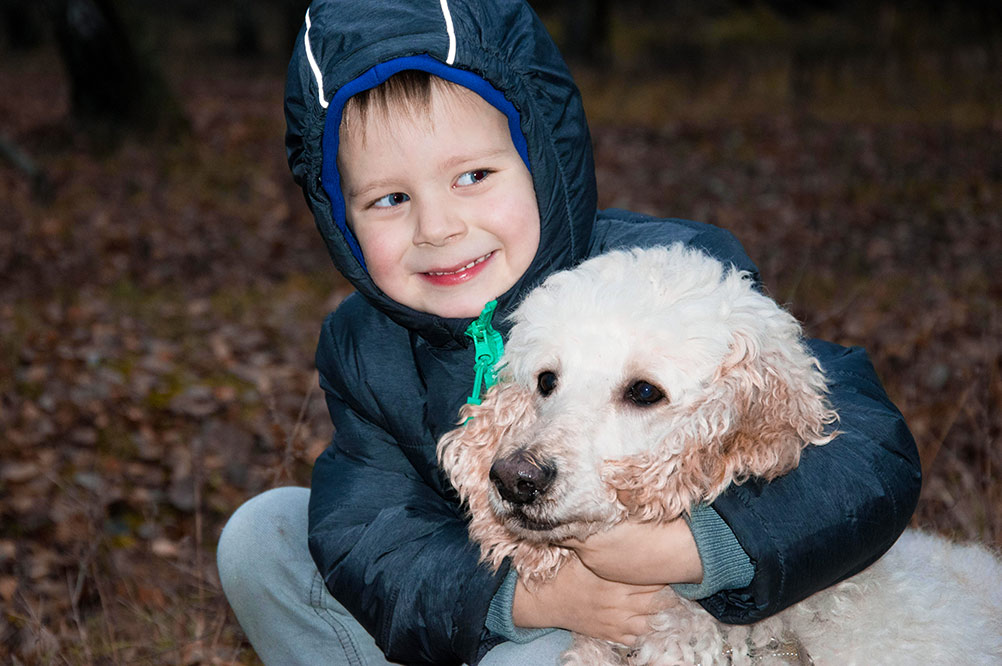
x=386, y=530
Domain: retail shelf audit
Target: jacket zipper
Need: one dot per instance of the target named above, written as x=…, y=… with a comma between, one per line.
x=488, y=346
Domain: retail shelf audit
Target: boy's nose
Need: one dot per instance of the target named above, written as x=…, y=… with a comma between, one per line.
x=436, y=226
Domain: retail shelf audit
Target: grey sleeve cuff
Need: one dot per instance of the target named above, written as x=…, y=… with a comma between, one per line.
x=499, y=618
x=726, y=566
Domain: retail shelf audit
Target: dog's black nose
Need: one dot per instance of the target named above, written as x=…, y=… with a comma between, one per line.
x=521, y=477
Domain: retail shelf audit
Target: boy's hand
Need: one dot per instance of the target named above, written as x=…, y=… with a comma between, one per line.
x=578, y=600
x=642, y=553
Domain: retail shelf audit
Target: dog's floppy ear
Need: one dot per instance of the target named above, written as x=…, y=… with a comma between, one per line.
x=766, y=402
x=466, y=452
x=780, y=405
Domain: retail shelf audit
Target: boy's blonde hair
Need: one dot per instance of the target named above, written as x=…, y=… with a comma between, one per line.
x=409, y=89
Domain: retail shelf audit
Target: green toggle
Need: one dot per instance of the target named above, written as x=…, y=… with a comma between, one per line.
x=488, y=347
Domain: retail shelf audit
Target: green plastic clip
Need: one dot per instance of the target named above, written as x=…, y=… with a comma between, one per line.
x=488, y=346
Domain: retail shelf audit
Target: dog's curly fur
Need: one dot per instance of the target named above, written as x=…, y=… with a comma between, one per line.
x=742, y=396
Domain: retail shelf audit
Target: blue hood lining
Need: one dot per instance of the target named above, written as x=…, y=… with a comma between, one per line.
x=329, y=176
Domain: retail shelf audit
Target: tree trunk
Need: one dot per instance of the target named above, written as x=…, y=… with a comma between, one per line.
x=113, y=85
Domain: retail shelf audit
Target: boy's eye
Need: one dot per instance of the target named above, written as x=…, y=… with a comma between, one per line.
x=390, y=200
x=472, y=177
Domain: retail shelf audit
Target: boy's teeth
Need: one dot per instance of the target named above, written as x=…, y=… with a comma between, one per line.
x=460, y=270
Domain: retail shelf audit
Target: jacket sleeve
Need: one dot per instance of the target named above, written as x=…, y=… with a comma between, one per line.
x=391, y=549
x=836, y=513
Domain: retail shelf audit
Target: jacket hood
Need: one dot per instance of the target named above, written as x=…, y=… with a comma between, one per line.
x=497, y=48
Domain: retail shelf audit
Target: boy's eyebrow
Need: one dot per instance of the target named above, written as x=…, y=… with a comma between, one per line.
x=382, y=183
x=451, y=163
x=459, y=160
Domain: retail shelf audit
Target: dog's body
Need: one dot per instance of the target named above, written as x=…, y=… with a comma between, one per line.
x=643, y=382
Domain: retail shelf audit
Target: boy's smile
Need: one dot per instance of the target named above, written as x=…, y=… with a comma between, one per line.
x=440, y=202
x=458, y=274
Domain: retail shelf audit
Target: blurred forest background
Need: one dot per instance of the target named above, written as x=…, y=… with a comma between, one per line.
x=162, y=285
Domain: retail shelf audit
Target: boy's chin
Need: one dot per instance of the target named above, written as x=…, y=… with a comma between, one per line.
x=460, y=308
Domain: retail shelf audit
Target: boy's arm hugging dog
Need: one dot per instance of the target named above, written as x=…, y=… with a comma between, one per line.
x=443, y=150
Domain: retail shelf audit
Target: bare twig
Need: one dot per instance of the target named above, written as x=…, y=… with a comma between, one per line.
x=39, y=631
x=75, y=608
x=837, y=311
x=301, y=417
x=196, y=454
x=75, y=590
x=934, y=450
x=221, y=612
x=288, y=447
x=108, y=628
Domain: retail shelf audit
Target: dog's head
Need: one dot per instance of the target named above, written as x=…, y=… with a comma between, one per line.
x=633, y=386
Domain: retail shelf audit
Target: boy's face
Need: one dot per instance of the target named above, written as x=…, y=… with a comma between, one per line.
x=441, y=203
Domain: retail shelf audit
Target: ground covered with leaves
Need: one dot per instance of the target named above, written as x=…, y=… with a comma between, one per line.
x=160, y=300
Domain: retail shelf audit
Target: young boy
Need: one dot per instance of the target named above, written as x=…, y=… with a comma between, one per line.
x=443, y=150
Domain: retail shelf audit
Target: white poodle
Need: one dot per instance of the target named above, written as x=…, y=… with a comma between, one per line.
x=644, y=381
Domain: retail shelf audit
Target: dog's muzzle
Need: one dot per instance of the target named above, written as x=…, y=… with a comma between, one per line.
x=521, y=478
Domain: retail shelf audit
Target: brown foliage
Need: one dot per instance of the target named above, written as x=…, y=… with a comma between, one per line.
x=158, y=314
x=157, y=322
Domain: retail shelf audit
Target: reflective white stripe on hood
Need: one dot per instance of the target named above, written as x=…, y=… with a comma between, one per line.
x=452, y=33
x=450, y=58
x=313, y=62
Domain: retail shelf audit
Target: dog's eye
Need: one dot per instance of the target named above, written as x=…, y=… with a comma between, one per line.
x=546, y=382
x=644, y=393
